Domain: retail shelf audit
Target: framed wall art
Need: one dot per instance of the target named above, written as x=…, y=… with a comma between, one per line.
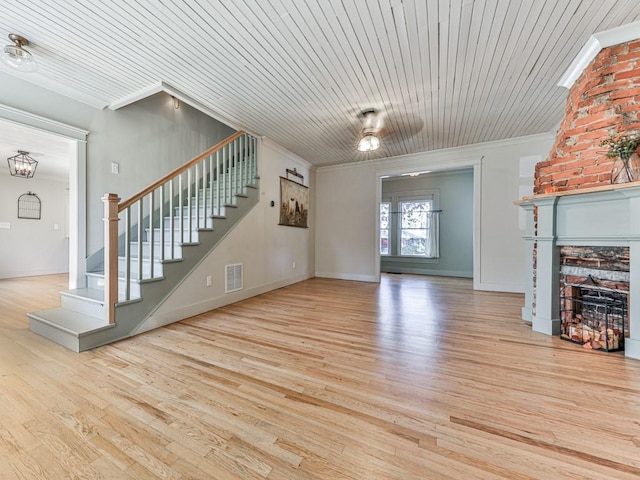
x=294, y=204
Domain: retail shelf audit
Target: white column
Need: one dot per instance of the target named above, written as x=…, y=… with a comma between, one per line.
x=529, y=239
x=546, y=318
x=632, y=344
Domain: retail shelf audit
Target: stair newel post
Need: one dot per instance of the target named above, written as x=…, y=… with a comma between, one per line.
x=110, y=201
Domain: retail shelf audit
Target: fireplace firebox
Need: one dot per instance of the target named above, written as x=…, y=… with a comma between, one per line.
x=593, y=315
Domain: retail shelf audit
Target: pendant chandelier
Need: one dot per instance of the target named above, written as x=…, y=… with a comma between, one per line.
x=22, y=165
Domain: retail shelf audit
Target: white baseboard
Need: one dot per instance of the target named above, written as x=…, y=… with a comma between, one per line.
x=33, y=272
x=347, y=276
x=497, y=287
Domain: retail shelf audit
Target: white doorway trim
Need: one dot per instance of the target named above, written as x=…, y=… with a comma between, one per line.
x=434, y=166
x=77, y=185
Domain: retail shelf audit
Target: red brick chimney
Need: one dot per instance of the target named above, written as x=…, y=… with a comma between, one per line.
x=604, y=100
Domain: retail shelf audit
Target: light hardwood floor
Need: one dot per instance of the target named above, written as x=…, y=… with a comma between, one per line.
x=415, y=378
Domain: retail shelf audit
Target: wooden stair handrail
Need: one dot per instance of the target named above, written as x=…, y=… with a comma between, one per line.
x=183, y=168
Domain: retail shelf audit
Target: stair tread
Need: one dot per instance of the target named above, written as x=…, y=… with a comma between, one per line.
x=69, y=321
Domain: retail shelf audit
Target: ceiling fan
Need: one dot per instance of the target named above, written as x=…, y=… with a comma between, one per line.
x=381, y=127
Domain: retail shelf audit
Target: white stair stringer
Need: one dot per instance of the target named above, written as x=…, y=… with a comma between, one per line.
x=79, y=324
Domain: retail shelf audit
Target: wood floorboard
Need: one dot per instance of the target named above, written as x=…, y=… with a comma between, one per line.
x=414, y=378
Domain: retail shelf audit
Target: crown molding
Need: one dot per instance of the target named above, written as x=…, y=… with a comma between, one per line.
x=21, y=117
x=594, y=45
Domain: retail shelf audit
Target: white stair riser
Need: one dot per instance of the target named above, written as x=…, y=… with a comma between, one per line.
x=97, y=282
x=177, y=250
x=205, y=222
x=134, y=265
x=177, y=235
x=205, y=212
x=82, y=305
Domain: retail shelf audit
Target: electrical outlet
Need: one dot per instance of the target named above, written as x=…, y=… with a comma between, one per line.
x=115, y=168
x=293, y=265
x=209, y=280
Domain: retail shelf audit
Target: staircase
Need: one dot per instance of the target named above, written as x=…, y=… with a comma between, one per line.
x=153, y=241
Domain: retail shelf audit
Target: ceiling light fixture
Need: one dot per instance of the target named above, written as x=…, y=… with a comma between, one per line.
x=369, y=140
x=22, y=165
x=16, y=56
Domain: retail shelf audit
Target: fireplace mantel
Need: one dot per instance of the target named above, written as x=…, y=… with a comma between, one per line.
x=581, y=191
x=607, y=215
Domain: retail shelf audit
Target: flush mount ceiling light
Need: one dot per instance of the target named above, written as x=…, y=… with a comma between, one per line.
x=22, y=165
x=369, y=140
x=16, y=56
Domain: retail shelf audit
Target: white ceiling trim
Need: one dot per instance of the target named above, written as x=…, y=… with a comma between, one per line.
x=46, y=125
x=594, y=45
x=180, y=95
x=57, y=87
x=451, y=154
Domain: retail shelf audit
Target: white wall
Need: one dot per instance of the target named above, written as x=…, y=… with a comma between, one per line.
x=347, y=196
x=266, y=249
x=33, y=247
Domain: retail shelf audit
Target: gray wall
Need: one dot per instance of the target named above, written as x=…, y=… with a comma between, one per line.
x=147, y=139
x=455, y=192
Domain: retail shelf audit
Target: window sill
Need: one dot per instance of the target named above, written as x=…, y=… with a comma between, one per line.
x=403, y=259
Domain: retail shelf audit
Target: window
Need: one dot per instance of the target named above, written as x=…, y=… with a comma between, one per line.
x=385, y=210
x=417, y=235
x=409, y=227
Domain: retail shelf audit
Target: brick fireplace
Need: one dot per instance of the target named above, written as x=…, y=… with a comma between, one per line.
x=607, y=216
x=575, y=204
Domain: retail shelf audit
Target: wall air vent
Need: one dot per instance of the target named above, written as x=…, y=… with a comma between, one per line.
x=233, y=278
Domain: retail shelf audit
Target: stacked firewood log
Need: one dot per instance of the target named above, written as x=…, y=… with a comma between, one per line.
x=595, y=338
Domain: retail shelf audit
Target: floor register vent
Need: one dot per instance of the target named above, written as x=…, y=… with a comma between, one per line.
x=233, y=278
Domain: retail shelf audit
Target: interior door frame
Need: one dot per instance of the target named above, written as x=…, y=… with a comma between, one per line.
x=77, y=184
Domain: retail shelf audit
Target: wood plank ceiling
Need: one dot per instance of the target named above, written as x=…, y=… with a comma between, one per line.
x=441, y=73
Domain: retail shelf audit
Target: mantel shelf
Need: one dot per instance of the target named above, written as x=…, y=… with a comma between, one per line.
x=601, y=188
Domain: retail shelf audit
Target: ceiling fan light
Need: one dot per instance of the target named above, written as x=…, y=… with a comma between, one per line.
x=369, y=142
x=16, y=57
